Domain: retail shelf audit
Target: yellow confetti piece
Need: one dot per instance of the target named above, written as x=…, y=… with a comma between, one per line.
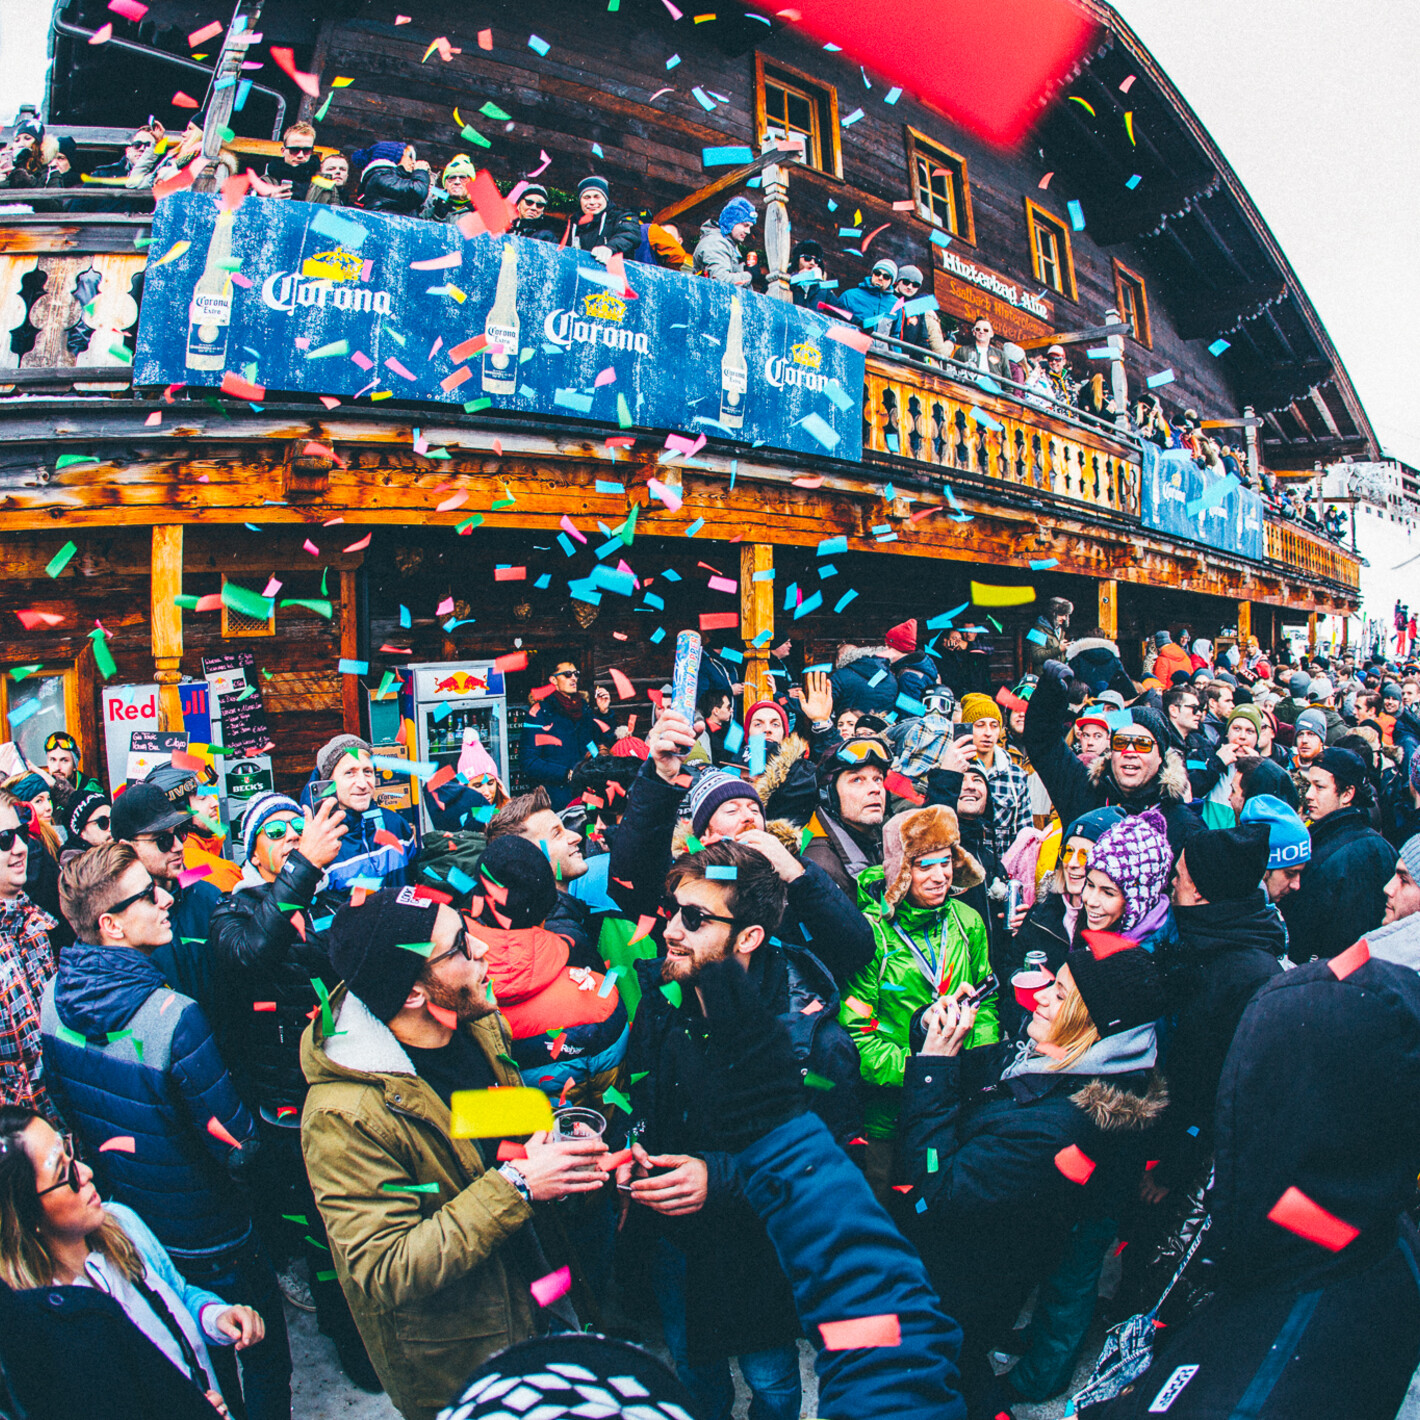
x=341, y=83
x=434, y=44
x=984, y=594
x=1129, y=126
x=1084, y=104
x=173, y=252
x=454, y=291
x=457, y=119
x=382, y=394
x=858, y=218
x=496, y=1114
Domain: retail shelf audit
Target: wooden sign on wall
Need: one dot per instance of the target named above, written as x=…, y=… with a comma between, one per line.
x=967, y=289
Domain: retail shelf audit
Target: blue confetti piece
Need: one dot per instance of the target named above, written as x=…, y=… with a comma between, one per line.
x=1077, y=215
x=826, y=571
x=540, y=45
x=727, y=874
x=922, y=303
x=1134, y=182
x=941, y=239
x=832, y=205
x=607, y=485
x=1164, y=377
x=597, y=149
x=734, y=737
x=764, y=575
x=831, y=545
x=725, y=157
x=658, y=635
x=673, y=61
x=728, y=654
x=243, y=90
x=1219, y=345
x=404, y=619
x=817, y=426
x=892, y=96
x=791, y=596
x=808, y=604
x=1044, y=564
x=570, y=399
x=1100, y=352
x=838, y=395
x=850, y=231
x=908, y=705
x=653, y=601
x=349, y=667
x=844, y=600
x=756, y=754
x=22, y=712
x=543, y=582
x=671, y=575
x=921, y=1205
x=851, y=119
x=938, y=623
x=1036, y=636
x=695, y=527
x=762, y=640
x=329, y=224
x=980, y=416
x=460, y=880
x=610, y=579
x=566, y=543
x=878, y=676
x=705, y=102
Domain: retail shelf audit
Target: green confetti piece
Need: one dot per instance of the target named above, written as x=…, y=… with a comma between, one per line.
x=297, y=1218
x=73, y=1037
x=69, y=460
x=816, y=1082
x=102, y=658
x=623, y=412
x=469, y=524
x=994, y=622
x=502, y=503
x=325, y=1276
x=314, y=1243
x=932, y=1164
x=805, y=838
x=386, y=681
x=185, y=602
x=325, y=107
x=327, y=1021
x=672, y=992
x=472, y=135
x=409, y=1187
x=507, y=1059
x=614, y=1096
x=638, y=1076
x=323, y=576
x=247, y=602
x=321, y=608
x=121, y=353
x=114, y=1036
x=693, y=843
x=20, y=672
x=324, y=352
x=61, y=559
x=474, y=406
x=422, y=949
x=491, y=110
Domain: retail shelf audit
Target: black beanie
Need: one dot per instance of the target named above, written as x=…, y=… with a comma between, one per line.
x=1155, y=721
x=369, y=947
x=521, y=868
x=81, y=809
x=1227, y=864
x=1120, y=991
x=1344, y=765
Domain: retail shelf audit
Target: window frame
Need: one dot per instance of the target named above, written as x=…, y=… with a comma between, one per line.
x=1036, y=217
x=68, y=672
x=831, y=141
x=957, y=160
x=1122, y=276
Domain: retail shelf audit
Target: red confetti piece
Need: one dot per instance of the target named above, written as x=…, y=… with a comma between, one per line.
x=205, y=33
x=429, y=894
x=385, y=837
x=263, y=1005
x=32, y=619
x=218, y=1130
x=719, y=620
x=1105, y=944
x=513, y=661
x=443, y=1016
x=861, y=1332
x=508, y=1152
x=119, y=1144
x=863, y=1142
x=468, y=348
x=546, y=740
x=240, y=388
x=1344, y=963
x=285, y=61
x=644, y=927
x=497, y=212
x=1298, y=1214
x=485, y=39
x=1045, y=181
x=850, y=336
x=361, y=545
x=624, y=689
x=180, y=180
x=510, y=574
x=182, y=100
x=1075, y=1164
x=895, y=783
x=809, y=481
x=902, y=1188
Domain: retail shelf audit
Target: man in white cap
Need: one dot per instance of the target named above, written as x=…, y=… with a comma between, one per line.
x=1063, y=387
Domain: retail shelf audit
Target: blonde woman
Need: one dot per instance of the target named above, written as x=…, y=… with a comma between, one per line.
x=1010, y=1146
x=55, y=1231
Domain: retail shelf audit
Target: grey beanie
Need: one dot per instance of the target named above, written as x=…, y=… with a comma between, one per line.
x=328, y=755
x=910, y=273
x=885, y=265
x=1298, y=684
x=1410, y=855
x=1313, y=720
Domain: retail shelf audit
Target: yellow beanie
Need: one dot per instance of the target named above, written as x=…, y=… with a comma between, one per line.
x=978, y=707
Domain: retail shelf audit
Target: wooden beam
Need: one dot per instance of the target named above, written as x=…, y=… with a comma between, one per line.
x=733, y=178
x=1244, y=624
x=1108, y=618
x=1077, y=337
x=350, y=651
x=166, y=584
x=1230, y=423
x=1327, y=417
x=756, y=617
x=1311, y=632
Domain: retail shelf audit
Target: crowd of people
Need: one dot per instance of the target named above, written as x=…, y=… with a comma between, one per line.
x=867, y=1015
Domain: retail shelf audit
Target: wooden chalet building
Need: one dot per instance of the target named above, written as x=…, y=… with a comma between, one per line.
x=1141, y=226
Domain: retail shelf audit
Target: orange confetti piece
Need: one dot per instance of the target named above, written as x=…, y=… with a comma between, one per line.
x=861, y=1332
x=624, y=689
x=218, y=1130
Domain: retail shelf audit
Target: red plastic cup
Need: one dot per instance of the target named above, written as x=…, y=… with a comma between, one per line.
x=1027, y=983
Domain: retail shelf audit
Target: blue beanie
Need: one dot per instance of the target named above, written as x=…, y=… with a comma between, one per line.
x=735, y=211
x=594, y=183
x=1290, y=845
x=259, y=810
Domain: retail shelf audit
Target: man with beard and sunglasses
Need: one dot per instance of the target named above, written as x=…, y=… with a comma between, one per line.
x=134, y=1069
x=156, y=829
x=721, y=1290
x=432, y=1240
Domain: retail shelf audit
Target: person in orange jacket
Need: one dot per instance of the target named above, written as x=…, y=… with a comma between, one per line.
x=1170, y=658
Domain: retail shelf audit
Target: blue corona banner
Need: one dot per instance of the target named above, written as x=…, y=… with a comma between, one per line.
x=1183, y=500
x=341, y=302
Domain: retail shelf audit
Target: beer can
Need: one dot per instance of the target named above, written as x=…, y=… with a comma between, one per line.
x=686, y=675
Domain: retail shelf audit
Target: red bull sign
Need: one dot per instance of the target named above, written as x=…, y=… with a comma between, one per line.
x=461, y=683
x=455, y=682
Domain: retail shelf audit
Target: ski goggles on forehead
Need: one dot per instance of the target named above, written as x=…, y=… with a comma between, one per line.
x=864, y=751
x=60, y=739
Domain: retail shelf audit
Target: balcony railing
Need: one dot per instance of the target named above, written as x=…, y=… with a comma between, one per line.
x=953, y=424
x=70, y=287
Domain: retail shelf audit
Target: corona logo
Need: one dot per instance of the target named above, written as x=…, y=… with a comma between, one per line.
x=334, y=265
x=604, y=306
x=809, y=356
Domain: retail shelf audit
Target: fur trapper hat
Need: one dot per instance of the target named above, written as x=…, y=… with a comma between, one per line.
x=916, y=834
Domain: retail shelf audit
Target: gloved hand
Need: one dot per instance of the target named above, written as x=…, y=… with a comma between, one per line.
x=755, y=1079
x=1058, y=672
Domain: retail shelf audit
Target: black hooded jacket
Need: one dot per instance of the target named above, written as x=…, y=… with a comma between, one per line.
x=612, y=227
x=1223, y=952
x=1342, y=892
x=1320, y=1093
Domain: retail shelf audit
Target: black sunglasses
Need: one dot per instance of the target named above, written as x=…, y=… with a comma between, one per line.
x=99, y=820
x=9, y=835
x=288, y=147
x=165, y=838
x=534, y=202
x=70, y=1178
x=460, y=948
x=123, y=904
x=692, y=916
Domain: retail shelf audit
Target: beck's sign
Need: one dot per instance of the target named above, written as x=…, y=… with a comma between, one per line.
x=337, y=301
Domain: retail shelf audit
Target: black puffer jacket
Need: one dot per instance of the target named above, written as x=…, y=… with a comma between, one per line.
x=737, y=1298
x=612, y=227
x=1321, y=1093
x=863, y=680
x=1223, y=952
x=819, y=916
x=1342, y=892
x=259, y=956
x=387, y=187
x=1075, y=789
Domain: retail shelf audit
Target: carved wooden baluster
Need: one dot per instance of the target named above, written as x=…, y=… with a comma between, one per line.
x=1020, y=453
x=114, y=311
x=14, y=303
x=961, y=455
x=54, y=312
x=1037, y=461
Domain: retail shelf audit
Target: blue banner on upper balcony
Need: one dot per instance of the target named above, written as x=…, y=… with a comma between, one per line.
x=337, y=301
x=1181, y=499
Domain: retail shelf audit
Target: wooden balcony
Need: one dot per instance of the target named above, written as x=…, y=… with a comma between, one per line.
x=1300, y=550
x=938, y=420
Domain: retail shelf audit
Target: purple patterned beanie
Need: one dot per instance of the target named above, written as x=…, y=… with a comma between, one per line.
x=1135, y=855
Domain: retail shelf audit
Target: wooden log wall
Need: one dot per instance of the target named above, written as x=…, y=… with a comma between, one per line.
x=595, y=86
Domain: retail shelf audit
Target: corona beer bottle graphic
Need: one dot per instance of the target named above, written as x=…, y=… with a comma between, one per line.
x=734, y=373
x=500, y=368
x=209, y=318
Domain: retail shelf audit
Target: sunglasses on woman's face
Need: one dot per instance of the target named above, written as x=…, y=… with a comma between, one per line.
x=70, y=1177
x=100, y=821
x=9, y=835
x=693, y=918
x=1073, y=857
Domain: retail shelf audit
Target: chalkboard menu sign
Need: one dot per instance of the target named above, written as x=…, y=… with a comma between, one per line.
x=237, y=690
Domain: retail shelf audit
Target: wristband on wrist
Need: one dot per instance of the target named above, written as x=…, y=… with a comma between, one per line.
x=514, y=1175
x=821, y=724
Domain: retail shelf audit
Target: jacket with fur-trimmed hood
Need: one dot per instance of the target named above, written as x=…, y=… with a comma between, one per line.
x=1076, y=789
x=437, y=1282
x=982, y=1137
x=863, y=680
x=788, y=788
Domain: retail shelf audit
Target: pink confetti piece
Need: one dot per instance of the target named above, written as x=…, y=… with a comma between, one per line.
x=361, y=545
x=119, y=1144
x=485, y=39
x=102, y=35
x=498, y=447
x=273, y=585
x=1127, y=84
x=572, y=530
x=679, y=444
x=722, y=584
x=850, y=336
x=542, y=167
x=658, y=94
x=401, y=19
x=154, y=419
x=129, y=9
x=547, y=1290
x=1045, y=181
x=239, y=280
x=400, y=370
x=206, y=32
x=330, y=401
x=285, y=61
x=906, y=206
x=449, y=504
x=445, y=607
x=675, y=14
x=364, y=361
x=311, y=548
x=665, y=493
x=606, y=377
x=303, y=342
x=188, y=876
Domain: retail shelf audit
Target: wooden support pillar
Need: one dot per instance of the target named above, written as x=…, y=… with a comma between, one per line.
x=165, y=583
x=1244, y=624
x=775, y=187
x=756, y=617
x=350, y=691
x=1311, y=632
x=1109, y=609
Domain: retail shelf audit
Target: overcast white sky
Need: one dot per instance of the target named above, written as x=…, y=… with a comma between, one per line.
x=1316, y=107
x=1314, y=103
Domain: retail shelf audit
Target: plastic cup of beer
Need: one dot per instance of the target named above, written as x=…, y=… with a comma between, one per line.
x=1027, y=983
x=577, y=1122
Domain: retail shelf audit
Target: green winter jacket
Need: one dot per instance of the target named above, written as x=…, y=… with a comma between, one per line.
x=892, y=988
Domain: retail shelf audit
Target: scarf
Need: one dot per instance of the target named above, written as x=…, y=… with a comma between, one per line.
x=570, y=705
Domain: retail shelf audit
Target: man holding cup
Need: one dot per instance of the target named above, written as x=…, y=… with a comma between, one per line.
x=437, y=1277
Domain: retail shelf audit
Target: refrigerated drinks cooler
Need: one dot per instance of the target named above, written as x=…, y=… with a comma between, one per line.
x=450, y=697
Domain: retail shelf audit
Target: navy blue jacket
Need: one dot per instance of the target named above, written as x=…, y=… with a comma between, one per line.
x=550, y=764
x=845, y=1258
x=867, y=304
x=916, y=673
x=866, y=683
x=159, y=1084
x=360, y=856
x=184, y=962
